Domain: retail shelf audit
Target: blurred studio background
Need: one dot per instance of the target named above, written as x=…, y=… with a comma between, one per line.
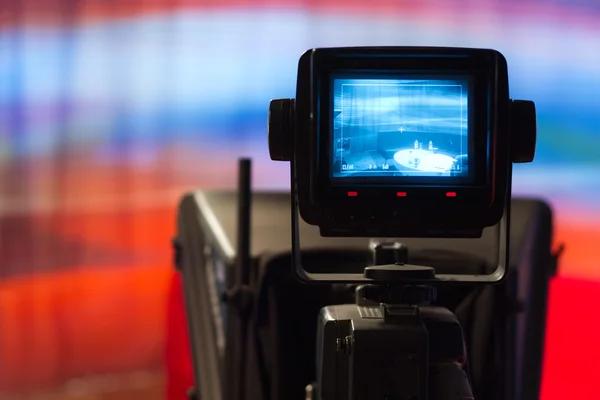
x=112, y=109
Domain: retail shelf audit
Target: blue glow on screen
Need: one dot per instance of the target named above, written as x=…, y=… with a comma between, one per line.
x=400, y=127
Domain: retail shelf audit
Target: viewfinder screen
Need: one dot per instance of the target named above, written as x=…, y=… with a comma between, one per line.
x=400, y=127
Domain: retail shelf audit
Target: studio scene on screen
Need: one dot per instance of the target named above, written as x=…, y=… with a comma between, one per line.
x=400, y=127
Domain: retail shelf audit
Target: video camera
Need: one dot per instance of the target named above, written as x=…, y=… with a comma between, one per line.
x=399, y=142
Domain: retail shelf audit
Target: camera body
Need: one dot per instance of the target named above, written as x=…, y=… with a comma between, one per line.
x=355, y=341
x=414, y=144
x=409, y=143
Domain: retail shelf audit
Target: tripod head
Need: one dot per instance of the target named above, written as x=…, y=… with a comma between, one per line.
x=390, y=265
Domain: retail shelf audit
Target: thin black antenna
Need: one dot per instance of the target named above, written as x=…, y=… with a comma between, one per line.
x=239, y=293
x=244, y=220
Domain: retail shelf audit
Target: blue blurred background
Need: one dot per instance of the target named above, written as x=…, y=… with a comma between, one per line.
x=110, y=110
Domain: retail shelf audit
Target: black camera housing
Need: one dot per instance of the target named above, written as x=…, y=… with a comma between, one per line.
x=500, y=131
x=404, y=207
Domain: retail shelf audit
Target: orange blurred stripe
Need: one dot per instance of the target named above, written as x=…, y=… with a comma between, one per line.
x=581, y=243
x=149, y=230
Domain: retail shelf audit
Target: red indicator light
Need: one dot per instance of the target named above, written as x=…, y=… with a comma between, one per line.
x=352, y=194
x=401, y=194
x=450, y=194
